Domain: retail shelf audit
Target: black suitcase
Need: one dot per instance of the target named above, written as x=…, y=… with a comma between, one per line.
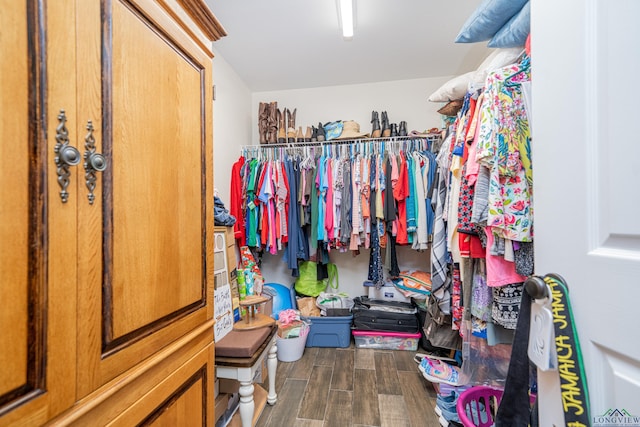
x=386, y=316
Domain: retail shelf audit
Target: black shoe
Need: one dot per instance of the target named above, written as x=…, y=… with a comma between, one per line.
x=321, y=134
x=314, y=134
x=386, y=130
x=394, y=129
x=375, y=122
x=403, y=129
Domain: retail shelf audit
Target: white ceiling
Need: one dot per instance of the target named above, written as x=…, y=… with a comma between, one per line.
x=293, y=44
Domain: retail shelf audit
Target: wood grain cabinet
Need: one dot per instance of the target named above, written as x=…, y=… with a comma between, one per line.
x=106, y=212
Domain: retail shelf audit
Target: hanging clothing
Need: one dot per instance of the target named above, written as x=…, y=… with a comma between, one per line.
x=236, y=201
x=504, y=147
x=439, y=257
x=307, y=204
x=430, y=183
x=422, y=241
x=400, y=193
x=411, y=200
x=346, y=205
x=375, y=256
x=500, y=272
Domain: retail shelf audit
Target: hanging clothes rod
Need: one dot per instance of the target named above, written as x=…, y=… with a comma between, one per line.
x=429, y=137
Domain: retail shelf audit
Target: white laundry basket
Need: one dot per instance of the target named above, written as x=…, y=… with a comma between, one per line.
x=291, y=349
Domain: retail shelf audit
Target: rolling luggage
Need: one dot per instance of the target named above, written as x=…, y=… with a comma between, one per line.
x=380, y=315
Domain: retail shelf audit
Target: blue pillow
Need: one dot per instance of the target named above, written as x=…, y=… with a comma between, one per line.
x=487, y=20
x=515, y=32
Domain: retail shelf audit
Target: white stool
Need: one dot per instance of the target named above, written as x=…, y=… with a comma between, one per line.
x=243, y=369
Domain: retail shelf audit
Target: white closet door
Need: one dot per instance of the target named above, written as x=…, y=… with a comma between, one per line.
x=586, y=153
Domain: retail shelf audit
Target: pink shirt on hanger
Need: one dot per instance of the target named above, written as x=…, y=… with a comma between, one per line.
x=500, y=272
x=473, y=166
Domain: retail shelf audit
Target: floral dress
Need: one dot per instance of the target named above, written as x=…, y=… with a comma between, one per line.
x=504, y=147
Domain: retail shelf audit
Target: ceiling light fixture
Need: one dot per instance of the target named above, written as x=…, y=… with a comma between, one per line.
x=346, y=17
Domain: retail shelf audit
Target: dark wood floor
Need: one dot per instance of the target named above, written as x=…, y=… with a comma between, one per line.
x=332, y=387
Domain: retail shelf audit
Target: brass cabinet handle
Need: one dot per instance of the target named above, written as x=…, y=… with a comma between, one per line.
x=66, y=156
x=93, y=162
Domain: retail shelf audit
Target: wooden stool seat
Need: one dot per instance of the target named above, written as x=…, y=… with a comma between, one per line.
x=243, y=369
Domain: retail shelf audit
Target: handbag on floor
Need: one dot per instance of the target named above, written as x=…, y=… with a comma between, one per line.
x=437, y=327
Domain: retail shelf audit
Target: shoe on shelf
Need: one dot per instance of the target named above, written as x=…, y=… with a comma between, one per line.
x=402, y=131
x=321, y=133
x=386, y=129
x=394, y=129
x=375, y=125
x=437, y=371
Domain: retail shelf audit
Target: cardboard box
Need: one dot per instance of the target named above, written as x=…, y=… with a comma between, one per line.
x=260, y=377
x=221, y=405
x=229, y=386
x=387, y=293
x=265, y=371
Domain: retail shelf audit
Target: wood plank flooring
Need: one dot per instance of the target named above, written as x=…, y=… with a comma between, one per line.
x=342, y=387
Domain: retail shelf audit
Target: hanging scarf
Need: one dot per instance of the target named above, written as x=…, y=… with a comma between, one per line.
x=575, y=394
x=514, y=406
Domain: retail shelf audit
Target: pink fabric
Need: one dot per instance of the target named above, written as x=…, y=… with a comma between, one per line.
x=328, y=212
x=273, y=246
x=288, y=316
x=499, y=271
x=355, y=205
x=472, y=164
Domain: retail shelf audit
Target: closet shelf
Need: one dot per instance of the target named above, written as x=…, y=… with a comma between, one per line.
x=342, y=141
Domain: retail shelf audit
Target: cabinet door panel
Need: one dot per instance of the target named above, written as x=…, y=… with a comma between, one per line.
x=186, y=407
x=143, y=280
x=157, y=192
x=14, y=199
x=183, y=398
x=36, y=374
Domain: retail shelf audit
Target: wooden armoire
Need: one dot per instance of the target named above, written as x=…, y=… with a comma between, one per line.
x=106, y=212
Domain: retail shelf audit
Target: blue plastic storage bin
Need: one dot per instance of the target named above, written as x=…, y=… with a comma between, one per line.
x=332, y=331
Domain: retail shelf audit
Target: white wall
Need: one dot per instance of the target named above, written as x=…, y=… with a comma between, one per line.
x=231, y=123
x=235, y=124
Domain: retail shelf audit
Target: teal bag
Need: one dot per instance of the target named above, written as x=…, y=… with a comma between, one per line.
x=333, y=130
x=308, y=283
